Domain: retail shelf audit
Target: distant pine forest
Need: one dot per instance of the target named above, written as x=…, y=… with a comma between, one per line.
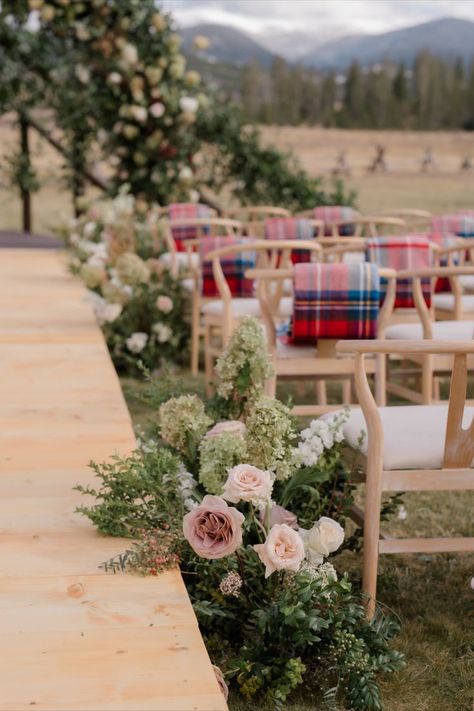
x=429, y=94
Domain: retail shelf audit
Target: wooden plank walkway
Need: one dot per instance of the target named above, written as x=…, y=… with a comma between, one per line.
x=73, y=638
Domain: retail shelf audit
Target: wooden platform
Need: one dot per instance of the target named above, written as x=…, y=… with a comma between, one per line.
x=71, y=637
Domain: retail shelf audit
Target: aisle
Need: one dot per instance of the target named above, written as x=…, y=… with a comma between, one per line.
x=71, y=637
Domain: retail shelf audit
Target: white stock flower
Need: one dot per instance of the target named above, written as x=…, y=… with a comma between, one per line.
x=82, y=73
x=137, y=342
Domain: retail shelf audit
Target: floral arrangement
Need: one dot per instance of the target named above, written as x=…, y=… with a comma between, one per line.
x=138, y=304
x=254, y=512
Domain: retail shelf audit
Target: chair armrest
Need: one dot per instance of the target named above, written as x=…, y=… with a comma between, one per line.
x=452, y=271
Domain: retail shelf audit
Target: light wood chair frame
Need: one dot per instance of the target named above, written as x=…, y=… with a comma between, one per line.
x=456, y=473
x=256, y=213
x=459, y=254
x=430, y=367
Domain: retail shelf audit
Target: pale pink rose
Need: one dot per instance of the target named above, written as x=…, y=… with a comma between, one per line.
x=279, y=515
x=157, y=109
x=233, y=427
x=221, y=681
x=164, y=304
x=283, y=550
x=213, y=529
x=247, y=483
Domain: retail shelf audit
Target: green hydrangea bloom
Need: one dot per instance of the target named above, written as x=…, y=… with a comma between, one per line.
x=244, y=366
x=217, y=455
x=270, y=437
x=132, y=270
x=183, y=421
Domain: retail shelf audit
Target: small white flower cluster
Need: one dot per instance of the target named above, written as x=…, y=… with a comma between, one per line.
x=321, y=435
x=137, y=341
x=162, y=331
x=231, y=584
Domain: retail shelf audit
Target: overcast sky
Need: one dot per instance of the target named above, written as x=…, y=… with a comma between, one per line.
x=335, y=17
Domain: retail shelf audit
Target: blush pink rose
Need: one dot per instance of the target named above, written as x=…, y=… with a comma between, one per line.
x=221, y=681
x=233, y=427
x=283, y=550
x=213, y=529
x=280, y=515
x=247, y=483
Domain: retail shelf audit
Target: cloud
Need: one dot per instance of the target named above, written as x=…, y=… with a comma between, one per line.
x=336, y=17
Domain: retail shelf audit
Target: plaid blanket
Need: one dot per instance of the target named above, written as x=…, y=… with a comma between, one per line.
x=281, y=228
x=234, y=266
x=335, y=301
x=185, y=210
x=398, y=253
x=459, y=223
x=335, y=213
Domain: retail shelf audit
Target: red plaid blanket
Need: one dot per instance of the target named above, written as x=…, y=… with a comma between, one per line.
x=234, y=266
x=281, y=228
x=181, y=211
x=335, y=301
x=398, y=253
x=335, y=213
x=458, y=223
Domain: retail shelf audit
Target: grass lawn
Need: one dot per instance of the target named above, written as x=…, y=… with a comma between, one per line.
x=430, y=593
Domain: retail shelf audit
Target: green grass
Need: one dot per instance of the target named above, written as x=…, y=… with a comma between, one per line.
x=430, y=593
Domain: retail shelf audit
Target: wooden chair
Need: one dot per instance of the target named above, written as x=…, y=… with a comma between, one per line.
x=429, y=367
x=320, y=361
x=458, y=303
x=222, y=315
x=175, y=257
x=410, y=448
x=416, y=220
x=256, y=213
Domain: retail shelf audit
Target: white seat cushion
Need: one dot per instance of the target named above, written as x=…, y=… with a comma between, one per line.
x=442, y=330
x=289, y=350
x=353, y=258
x=445, y=301
x=246, y=306
x=467, y=282
x=183, y=260
x=413, y=434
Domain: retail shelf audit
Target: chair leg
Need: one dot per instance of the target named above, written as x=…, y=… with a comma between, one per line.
x=346, y=391
x=427, y=380
x=195, y=335
x=208, y=360
x=373, y=495
x=381, y=380
x=321, y=392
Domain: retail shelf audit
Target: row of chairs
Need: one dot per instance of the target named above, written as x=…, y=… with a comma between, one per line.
x=381, y=291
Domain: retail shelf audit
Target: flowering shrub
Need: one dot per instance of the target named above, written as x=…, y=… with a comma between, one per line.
x=139, y=305
x=253, y=511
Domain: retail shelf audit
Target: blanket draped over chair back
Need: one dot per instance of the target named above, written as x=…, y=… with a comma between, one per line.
x=460, y=224
x=291, y=228
x=233, y=266
x=399, y=253
x=335, y=213
x=335, y=301
x=186, y=210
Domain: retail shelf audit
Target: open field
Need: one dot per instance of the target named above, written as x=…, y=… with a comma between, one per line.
x=442, y=190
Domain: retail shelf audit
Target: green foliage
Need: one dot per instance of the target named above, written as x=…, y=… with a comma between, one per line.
x=135, y=493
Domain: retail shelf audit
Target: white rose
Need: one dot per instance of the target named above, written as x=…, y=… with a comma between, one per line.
x=163, y=332
x=157, y=109
x=323, y=538
x=114, y=78
x=247, y=483
x=82, y=73
x=82, y=32
x=137, y=342
x=107, y=313
x=164, y=304
x=233, y=427
x=188, y=104
x=185, y=175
